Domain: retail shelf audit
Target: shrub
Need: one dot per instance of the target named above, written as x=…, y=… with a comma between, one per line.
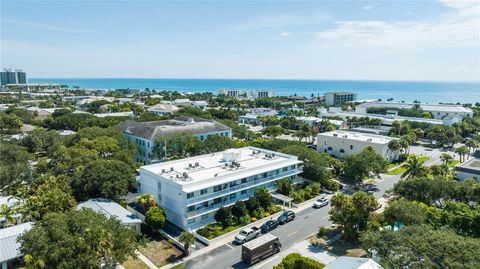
x=224, y=216
x=273, y=209
x=253, y=219
x=259, y=213
x=295, y=260
x=266, y=214
x=322, y=231
x=315, y=188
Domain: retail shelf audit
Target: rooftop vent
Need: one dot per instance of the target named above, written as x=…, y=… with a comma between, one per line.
x=163, y=171
x=171, y=169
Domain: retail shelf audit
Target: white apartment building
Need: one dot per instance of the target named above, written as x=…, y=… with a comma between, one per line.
x=191, y=190
x=438, y=111
x=231, y=93
x=343, y=143
x=254, y=94
x=335, y=98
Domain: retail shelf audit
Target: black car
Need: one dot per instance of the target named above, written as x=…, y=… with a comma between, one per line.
x=269, y=225
x=286, y=217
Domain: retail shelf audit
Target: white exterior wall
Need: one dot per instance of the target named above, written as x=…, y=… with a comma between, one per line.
x=198, y=210
x=334, y=146
x=145, y=147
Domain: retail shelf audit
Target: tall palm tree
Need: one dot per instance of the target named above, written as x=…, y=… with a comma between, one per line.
x=446, y=158
x=471, y=144
x=186, y=239
x=461, y=152
x=414, y=168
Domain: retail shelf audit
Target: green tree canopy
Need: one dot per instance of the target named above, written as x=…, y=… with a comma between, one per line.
x=358, y=166
x=155, y=217
x=77, y=239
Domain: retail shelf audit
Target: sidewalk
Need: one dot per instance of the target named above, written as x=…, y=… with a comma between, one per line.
x=229, y=237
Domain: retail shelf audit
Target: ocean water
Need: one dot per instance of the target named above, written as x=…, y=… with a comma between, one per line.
x=429, y=92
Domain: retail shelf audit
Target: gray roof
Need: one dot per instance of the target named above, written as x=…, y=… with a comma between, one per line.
x=260, y=241
x=9, y=247
x=109, y=208
x=153, y=129
x=353, y=263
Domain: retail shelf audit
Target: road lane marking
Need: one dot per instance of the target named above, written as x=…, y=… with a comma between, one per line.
x=326, y=217
x=292, y=233
x=269, y=259
x=230, y=246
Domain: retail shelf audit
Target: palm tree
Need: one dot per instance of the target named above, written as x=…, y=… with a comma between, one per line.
x=8, y=213
x=414, y=168
x=471, y=144
x=145, y=201
x=446, y=158
x=186, y=239
x=461, y=152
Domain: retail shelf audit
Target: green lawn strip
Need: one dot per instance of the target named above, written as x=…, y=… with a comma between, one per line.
x=161, y=252
x=132, y=263
x=397, y=171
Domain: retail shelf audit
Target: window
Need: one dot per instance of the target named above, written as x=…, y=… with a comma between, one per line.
x=325, y=143
x=204, y=191
x=191, y=221
x=191, y=208
x=233, y=184
x=233, y=196
x=351, y=147
x=243, y=192
x=148, y=144
x=205, y=216
x=342, y=151
x=190, y=195
x=217, y=188
x=244, y=180
x=201, y=137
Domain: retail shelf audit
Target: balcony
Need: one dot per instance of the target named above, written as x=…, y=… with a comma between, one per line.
x=239, y=187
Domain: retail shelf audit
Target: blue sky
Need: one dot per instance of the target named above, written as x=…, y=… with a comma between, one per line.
x=366, y=40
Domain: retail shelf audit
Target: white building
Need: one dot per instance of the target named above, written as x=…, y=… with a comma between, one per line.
x=345, y=262
x=469, y=169
x=335, y=98
x=115, y=114
x=231, y=93
x=163, y=109
x=182, y=102
x=343, y=143
x=438, y=111
x=191, y=190
x=145, y=134
x=200, y=104
x=254, y=94
x=110, y=209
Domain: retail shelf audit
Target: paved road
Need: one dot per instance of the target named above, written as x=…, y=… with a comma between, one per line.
x=305, y=224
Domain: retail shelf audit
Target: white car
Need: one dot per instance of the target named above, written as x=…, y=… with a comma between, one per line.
x=321, y=202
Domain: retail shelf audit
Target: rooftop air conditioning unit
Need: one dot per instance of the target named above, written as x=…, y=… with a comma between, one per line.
x=163, y=171
x=171, y=169
x=197, y=164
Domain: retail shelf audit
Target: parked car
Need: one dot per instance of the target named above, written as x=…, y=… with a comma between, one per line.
x=286, y=217
x=320, y=202
x=269, y=225
x=247, y=235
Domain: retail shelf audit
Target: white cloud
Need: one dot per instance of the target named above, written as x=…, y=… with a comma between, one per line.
x=456, y=29
x=367, y=7
x=285, y=34
x=45, y=26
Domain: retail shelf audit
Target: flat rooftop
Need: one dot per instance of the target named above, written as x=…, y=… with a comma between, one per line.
x=228, y=164
x=357, y=136
x=472, y=165
x=425, y=107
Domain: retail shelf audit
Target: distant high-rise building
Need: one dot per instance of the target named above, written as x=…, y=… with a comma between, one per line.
x=335, y=98
x=261, y=94
x=10, y=76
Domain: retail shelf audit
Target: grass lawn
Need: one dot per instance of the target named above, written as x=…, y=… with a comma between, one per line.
x=345, y=248
x=132, y=263
x=452, y=163
x=213, y=230
x=161, y=252
x=423, y=159
x=397, y=171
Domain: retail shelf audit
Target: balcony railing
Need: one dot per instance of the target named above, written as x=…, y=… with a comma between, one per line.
x=238, y=187
x=213, y=207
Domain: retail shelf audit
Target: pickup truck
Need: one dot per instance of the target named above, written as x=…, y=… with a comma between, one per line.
x=247, y=235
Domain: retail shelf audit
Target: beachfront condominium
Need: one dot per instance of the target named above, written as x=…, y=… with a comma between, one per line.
x=255, y=94
x=145, y=134
x=335, y=98
x=343, y=143
x=10, y=76
x=191, y=190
